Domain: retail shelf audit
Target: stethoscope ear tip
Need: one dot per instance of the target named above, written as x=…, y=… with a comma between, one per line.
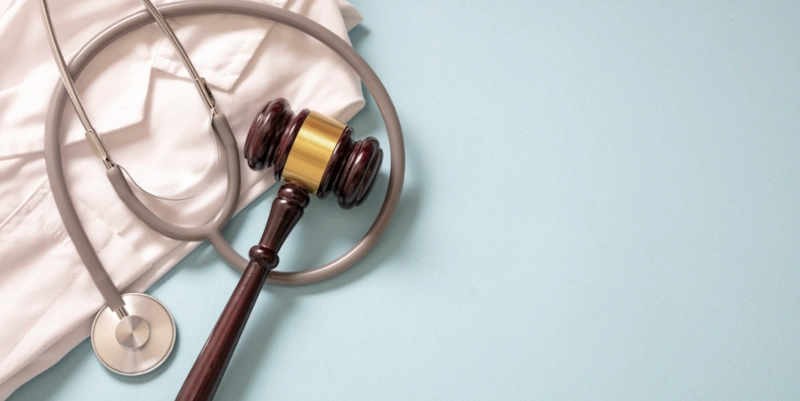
x=137, y=341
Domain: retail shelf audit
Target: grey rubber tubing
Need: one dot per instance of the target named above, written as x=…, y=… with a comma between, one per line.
x=70, y=217
x=209, y=230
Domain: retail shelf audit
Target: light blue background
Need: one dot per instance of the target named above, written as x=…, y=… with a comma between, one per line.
x=601, y=204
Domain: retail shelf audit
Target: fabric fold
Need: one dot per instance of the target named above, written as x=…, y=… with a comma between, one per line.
x=220, y=46
x=155, y=126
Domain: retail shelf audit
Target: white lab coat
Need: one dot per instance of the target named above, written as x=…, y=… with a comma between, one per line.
x=140, y=100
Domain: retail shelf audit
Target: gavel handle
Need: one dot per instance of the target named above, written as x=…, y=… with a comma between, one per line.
x=208, y=369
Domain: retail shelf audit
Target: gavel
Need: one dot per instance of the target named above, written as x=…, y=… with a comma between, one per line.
x=312, y=153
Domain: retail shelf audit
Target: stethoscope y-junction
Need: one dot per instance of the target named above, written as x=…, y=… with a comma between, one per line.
x=314, y=154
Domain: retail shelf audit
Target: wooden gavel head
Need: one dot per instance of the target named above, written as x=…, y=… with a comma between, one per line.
x=313, y=151
x=315, y=155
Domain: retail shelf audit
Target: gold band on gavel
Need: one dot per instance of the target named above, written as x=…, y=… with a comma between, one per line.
x=311, y=151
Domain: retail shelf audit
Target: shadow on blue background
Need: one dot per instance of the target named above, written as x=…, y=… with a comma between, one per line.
x=601, y=203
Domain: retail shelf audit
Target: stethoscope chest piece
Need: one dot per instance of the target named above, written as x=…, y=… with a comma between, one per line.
x=314, y=154
x=137, y=342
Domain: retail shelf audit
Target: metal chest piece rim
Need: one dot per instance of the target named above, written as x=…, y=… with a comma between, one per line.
x=137, y=342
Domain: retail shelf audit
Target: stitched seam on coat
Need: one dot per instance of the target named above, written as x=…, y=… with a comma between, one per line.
x=5, y=11
x=172, y=66
x=66, y=238
x=229, y=71
x=24, y=203
x=44, y=311
x=38, y=318
x=114, y=234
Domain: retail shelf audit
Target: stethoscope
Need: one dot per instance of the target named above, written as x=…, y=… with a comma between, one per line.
x=135, y=333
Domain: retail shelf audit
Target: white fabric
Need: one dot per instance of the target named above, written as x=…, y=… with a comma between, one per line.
x=155, y=125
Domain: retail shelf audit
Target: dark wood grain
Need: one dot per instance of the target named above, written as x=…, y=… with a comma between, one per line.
x=265, y=132
x=339, y=156
x=350, y=174
x=287, y=140
x=272, y=135
x=357, y=176
x=351, y=169
x=208, y=369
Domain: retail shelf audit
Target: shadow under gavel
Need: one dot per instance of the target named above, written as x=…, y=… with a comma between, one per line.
x=314, y=154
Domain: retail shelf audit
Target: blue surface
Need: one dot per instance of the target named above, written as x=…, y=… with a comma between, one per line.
x=602, y=203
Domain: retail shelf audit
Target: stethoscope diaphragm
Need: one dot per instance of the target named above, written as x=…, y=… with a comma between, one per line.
x=137, y=343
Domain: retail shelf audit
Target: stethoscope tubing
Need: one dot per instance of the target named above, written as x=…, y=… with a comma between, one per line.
x=211, y=231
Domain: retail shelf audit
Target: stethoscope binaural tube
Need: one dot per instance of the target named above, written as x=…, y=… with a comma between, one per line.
x=131, y=22
x=134, y=333
x=371, y=80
